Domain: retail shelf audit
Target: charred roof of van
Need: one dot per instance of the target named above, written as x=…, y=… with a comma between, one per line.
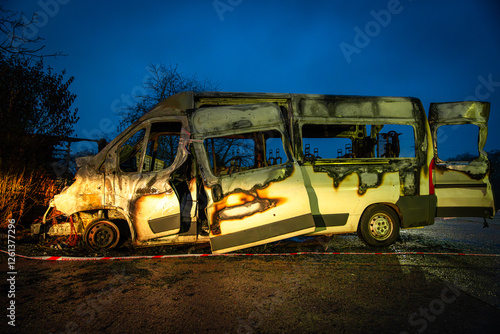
x=301, y=105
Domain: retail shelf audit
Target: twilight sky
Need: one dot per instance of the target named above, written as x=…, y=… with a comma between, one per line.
x=435, y=50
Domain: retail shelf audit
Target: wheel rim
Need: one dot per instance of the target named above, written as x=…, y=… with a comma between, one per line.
x=381, y=226
x=102, y=235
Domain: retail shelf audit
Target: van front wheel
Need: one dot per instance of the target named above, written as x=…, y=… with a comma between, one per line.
x=379, y=226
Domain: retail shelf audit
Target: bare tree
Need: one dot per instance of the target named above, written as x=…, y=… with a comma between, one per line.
x=223, y=151
x=163, y=82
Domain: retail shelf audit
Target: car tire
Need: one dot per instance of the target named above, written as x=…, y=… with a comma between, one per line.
x=379, y=226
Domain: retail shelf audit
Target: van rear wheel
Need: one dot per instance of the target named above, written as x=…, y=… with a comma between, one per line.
x=379, y=226
x=101, y=234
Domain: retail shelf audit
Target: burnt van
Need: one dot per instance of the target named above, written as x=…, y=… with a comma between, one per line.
x=244, y=169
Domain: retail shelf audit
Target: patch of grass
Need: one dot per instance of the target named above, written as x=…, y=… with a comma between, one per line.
x=21, y=190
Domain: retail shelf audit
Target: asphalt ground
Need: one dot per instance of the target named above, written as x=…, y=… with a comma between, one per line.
x=350, y=293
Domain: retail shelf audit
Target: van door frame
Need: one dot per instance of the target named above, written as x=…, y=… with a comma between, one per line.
x=282, y=185
x=462, y=188
x=143, y=193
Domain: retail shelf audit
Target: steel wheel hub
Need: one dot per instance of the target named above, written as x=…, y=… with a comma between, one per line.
x=101, y=235
x=380, y=227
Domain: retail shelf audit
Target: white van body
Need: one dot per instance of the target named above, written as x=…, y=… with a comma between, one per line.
x=244, y=169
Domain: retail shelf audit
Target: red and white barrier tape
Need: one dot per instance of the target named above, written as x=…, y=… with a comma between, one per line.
x=136, y=257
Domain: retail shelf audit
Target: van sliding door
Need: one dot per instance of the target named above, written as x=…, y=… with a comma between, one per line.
x=255, y=189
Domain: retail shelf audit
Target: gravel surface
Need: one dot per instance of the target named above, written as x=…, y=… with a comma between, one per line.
x=274, y=294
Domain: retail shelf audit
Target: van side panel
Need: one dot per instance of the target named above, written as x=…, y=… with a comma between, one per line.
x=341, y=189
x=417, y=211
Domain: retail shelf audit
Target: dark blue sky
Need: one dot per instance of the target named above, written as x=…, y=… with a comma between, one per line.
x=434, y=50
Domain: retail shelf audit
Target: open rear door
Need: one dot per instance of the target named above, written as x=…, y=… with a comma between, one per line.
x=462, y=169
x=255, y=189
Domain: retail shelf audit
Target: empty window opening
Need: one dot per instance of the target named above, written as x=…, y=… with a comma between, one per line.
x=337, y=141
x=161, y=148
x=457, y=142
x=241, y=152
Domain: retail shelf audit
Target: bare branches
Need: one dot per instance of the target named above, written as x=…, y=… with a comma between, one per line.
x=163, y=81
x=166, y=81
x=17, y=36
